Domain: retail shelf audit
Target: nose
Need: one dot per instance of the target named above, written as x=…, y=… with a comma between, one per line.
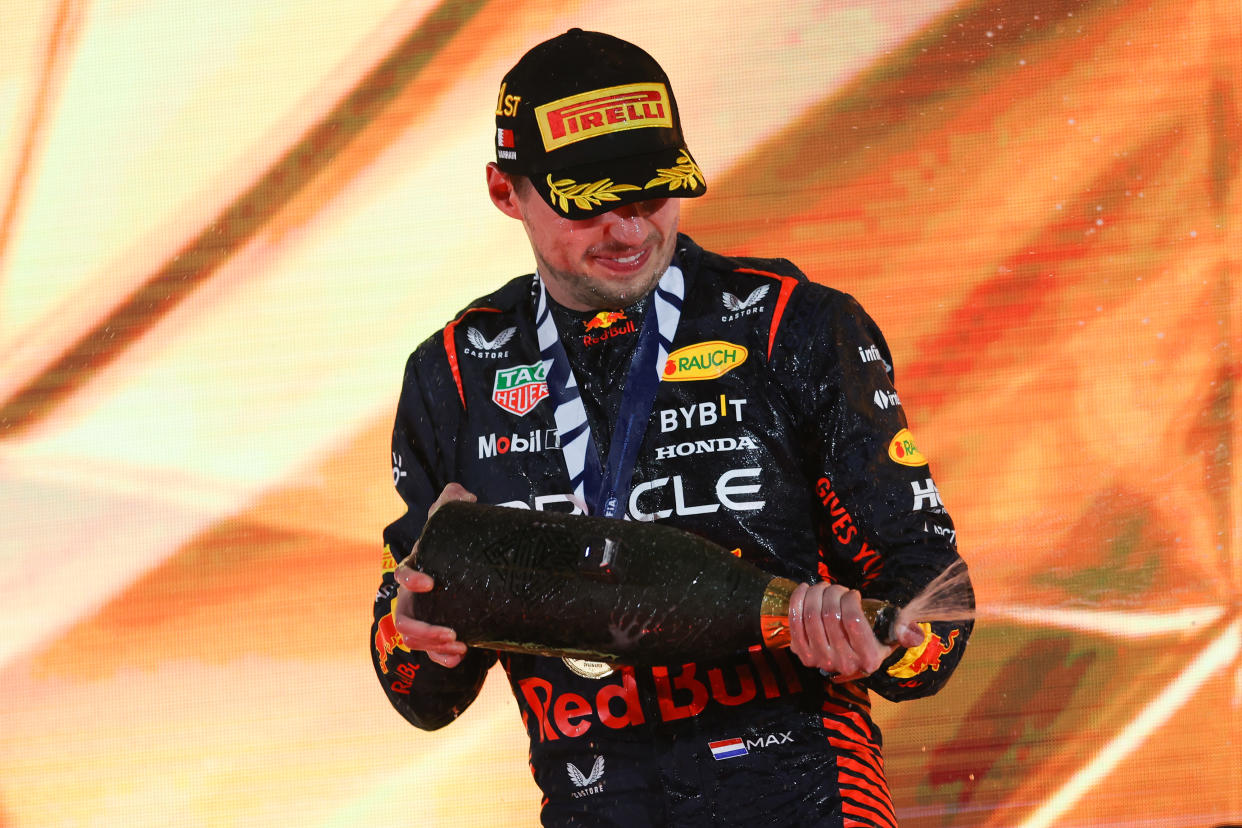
x=630, y=224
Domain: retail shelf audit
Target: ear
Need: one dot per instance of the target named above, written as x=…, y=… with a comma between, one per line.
x=504, y=194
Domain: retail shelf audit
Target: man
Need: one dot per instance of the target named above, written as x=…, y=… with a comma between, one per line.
x=640, y=377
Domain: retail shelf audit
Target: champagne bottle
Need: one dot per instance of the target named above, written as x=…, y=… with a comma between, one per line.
x=613, y=591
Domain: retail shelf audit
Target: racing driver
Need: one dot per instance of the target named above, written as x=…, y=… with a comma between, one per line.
x=748, y=397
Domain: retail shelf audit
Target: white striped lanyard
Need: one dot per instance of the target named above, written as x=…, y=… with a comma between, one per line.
x=604, y=491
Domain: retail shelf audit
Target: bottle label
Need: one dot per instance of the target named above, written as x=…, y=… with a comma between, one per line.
x=589, y=669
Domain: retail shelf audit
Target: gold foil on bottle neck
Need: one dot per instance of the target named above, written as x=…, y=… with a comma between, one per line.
x=774, y=612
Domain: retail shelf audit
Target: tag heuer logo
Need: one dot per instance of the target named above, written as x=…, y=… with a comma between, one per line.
x=520, y=388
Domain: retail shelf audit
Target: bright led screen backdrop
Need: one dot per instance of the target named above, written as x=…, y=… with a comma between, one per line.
x=223, y=225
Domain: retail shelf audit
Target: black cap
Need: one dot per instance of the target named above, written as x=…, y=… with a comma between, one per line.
x=592, y=121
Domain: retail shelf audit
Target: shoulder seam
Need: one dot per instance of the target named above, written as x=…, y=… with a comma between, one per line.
x=450, y=348
x=788, y=283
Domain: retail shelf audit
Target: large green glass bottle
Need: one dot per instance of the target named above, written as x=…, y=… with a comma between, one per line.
x=613, y=591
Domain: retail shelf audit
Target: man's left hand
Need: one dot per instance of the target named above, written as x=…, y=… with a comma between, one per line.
x=830, y=632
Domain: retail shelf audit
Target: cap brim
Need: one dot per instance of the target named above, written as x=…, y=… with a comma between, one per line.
x=590, y=189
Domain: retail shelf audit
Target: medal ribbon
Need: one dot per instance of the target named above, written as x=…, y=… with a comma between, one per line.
x=604, y=491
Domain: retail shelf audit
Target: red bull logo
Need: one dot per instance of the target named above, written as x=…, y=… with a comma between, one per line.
x=387, y=639
x=924, y=657
x=680, y=693
x=604, y=319
x=605, y=322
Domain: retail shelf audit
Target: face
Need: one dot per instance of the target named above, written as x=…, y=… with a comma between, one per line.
x=606, y=262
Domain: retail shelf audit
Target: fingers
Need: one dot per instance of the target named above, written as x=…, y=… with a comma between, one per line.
x=823, y=627
x=451, y=492
x=829, y=631
x=797, y=625
x=413, y=580
x=835, y=617
x=842, y=644
x=810, y=637
x=869, y=652
x=440, y=643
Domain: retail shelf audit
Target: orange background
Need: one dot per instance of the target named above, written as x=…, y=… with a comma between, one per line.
x=223, y=226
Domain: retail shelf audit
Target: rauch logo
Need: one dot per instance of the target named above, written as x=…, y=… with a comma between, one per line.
x=901, y=449
x=703, y=360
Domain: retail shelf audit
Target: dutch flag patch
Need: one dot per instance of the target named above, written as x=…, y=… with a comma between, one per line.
x=727, y=748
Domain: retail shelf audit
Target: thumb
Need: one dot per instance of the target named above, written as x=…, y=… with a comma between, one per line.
x=910, y=634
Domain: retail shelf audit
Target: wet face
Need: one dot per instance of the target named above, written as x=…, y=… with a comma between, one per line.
x=605, y=262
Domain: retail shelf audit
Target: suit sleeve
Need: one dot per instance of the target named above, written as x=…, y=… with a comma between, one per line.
x=881, y=524
x=427, y=695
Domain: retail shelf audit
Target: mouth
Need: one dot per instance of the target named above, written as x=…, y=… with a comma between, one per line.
x=628, y=263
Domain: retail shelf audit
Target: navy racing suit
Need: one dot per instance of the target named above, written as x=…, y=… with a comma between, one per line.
x=777, y=432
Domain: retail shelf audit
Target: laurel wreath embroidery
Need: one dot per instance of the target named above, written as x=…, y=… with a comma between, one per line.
x=586, y=196
x=686, y=174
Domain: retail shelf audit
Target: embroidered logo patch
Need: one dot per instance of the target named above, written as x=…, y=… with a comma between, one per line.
x=727, y=749
x=586, y=783
x=703, y=360
x=733, y=303
x=925, y=656
x=605, y=325
x=901, y=449
x=482, y=347
x=603, y=111
x=604, y=319
x=520, y=388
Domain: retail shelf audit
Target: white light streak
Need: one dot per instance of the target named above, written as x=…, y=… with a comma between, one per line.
x=1211, y=661
x=1113, y=623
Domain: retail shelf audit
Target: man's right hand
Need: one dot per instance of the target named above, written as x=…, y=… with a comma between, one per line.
x=440, y=643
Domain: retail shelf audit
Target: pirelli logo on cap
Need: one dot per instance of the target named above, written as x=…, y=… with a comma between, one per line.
x=601, y=111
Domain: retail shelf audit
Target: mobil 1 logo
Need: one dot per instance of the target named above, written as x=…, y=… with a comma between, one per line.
x=498, y=445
